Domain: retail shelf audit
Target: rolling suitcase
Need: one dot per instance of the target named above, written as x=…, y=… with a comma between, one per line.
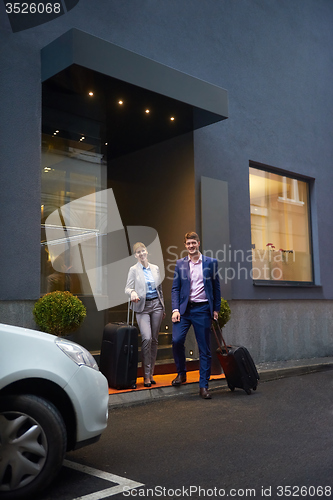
x=119, y=354
x=237, y=364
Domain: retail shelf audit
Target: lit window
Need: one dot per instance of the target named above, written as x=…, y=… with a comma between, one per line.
x=280, y=227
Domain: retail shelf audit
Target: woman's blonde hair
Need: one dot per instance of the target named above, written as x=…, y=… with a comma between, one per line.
x=138, y=245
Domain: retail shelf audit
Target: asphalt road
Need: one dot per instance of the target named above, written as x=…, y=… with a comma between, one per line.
x=276, y=443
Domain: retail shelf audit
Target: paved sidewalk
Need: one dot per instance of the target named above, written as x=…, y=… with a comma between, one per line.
x=267, y=371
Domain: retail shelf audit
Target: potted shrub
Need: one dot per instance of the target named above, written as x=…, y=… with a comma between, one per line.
x=224, y=314
x=223, y=318
x=59, y=313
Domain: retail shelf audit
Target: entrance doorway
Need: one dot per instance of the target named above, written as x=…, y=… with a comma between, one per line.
x=102, y=132
x=95, y=138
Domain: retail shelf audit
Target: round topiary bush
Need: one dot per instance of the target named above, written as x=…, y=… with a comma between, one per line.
x=59, y=313
x=224, y=314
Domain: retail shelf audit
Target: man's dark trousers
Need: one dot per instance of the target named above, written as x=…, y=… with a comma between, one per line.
x=196, y=314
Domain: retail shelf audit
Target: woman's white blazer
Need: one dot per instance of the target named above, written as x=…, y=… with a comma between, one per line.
x=136, y=282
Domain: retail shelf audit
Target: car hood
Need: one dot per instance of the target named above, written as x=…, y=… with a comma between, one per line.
x=26, y=353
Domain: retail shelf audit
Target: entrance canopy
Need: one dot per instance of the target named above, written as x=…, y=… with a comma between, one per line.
x=145, y=102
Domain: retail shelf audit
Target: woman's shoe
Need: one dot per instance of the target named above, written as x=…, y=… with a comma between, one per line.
x=152, y=381
x=147, y=385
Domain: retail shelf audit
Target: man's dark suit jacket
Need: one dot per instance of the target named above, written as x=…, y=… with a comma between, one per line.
x=180, y=291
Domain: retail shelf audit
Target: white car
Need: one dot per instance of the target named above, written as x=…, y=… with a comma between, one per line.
x=53, y=399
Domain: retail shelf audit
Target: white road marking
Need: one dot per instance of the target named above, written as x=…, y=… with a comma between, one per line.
x=122, y=482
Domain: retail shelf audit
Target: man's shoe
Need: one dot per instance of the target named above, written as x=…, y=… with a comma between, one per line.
x=204, y=393
x=180, y=379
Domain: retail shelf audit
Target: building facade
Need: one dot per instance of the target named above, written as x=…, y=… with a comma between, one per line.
x=246, y=86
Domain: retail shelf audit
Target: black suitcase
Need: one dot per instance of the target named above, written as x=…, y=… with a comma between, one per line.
x=119, y=355
x=237, y=364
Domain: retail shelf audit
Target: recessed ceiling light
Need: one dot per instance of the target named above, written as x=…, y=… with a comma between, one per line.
x=91, y=94
x=120, y=102
x=147, y=111
x=172, y=118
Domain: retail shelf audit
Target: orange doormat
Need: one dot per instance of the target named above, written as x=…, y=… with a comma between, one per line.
x=164, y=381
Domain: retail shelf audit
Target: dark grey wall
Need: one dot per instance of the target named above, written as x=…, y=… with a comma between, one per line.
x=280, y=329
x=271, y=57
x=275, y=60
x=20, y=141
x=215, y=233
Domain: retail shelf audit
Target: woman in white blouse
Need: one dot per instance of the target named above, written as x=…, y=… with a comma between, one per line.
x=145, y=291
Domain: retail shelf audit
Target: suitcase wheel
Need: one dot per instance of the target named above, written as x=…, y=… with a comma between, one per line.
x=248, y=391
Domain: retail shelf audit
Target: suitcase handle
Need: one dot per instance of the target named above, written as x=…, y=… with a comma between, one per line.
x=128, y=313
x=216, y=336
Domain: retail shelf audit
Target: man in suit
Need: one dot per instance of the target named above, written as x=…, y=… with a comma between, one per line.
x=196, y=299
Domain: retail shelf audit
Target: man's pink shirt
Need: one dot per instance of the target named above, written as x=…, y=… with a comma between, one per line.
x=197, y=291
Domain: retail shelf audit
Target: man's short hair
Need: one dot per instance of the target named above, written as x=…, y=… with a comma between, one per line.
x=191, y=236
